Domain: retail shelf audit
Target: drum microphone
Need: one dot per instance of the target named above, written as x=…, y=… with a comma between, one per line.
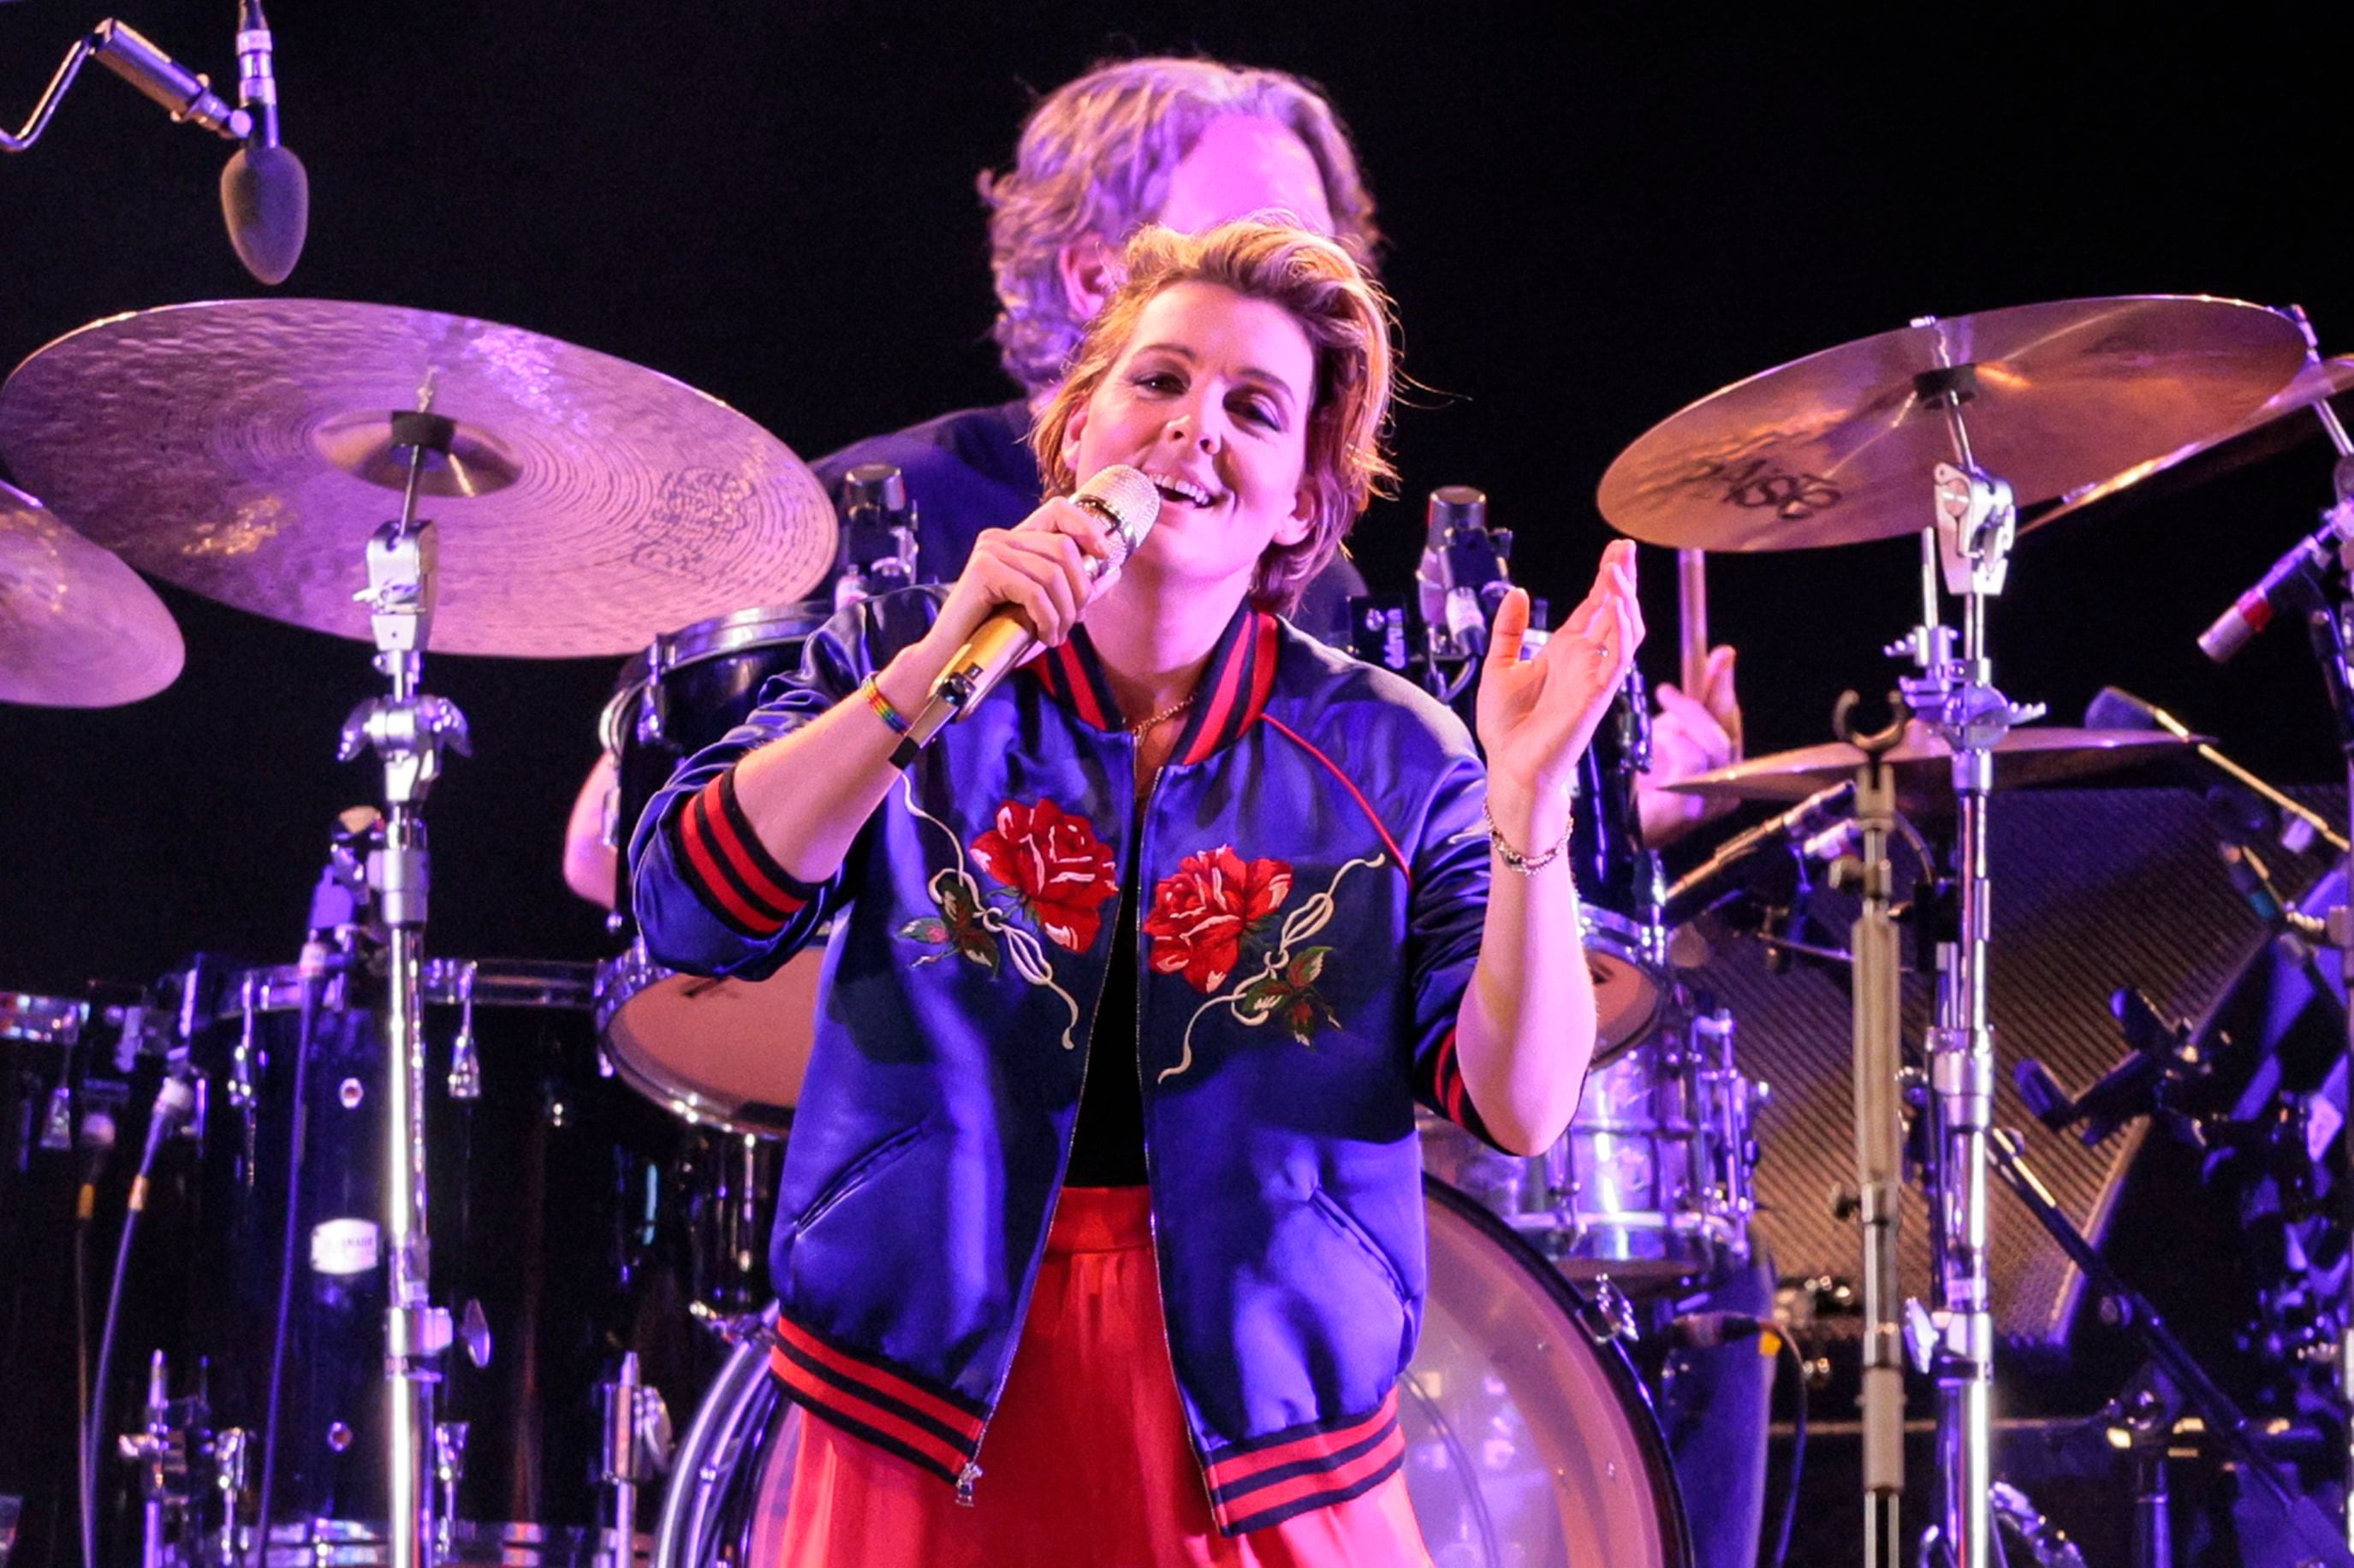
x=1812, y=822
x=1126, y=502
x=265, y=194
x=2116, y=708
x=1463, y=573
x=174, y=1100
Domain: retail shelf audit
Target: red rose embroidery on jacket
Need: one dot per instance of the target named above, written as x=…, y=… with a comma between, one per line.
x=1053, y=860
x=1201, y=916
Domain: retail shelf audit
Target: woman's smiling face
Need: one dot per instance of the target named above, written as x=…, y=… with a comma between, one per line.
x=1210, y=398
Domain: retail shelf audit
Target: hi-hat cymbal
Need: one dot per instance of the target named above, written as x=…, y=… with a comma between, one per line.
x=2283, y=419
x=1922, y=762
x=1838, y=448
x=78, y=628
x=242, y=448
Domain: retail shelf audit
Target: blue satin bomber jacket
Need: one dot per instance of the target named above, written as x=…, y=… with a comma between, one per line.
x=1312, y=875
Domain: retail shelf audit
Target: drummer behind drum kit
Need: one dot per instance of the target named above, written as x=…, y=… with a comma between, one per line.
x=334, y=1392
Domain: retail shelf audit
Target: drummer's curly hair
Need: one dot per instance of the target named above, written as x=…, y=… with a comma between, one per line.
x=1347, y=318
x=1096, y=157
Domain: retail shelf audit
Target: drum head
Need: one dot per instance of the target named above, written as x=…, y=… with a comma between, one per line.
x=1627, y=990
x=730, y=1052
x=1527, y=1444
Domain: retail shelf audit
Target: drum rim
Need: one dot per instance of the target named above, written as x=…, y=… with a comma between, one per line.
x=756, y=626
x=1675, y=1527
x=713, y=637
x=565, y=984
x=621, y=980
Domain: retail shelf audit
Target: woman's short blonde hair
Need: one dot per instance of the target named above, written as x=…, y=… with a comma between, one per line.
x=1094, y=159
x=1346, y=318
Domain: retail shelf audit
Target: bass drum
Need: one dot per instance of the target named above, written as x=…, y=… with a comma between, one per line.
x=1529, y=1441
x=727, y=1053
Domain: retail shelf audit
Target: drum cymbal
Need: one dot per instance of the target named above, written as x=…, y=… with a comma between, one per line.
x=241, y=449
x=2279, y=423
x=78, y=628
x=1837, y=448
x=2036, y=753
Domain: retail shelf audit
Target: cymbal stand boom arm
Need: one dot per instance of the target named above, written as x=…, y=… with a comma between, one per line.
x=408, y=731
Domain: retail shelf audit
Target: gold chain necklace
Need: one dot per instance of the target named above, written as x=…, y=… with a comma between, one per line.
x=1165, y=715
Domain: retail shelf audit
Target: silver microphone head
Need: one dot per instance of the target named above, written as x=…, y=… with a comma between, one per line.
x=1126, y=502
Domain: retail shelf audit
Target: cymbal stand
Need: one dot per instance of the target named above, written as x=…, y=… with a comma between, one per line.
x=1879, y=1134
x=2332, y=633
x=407, y=730
x=1975, y=525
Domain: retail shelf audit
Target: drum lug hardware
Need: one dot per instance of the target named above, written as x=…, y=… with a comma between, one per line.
x=475, y=1333
x=57, y=1122
x=1613, y=1312
x=449, y=1467
x=232, y=1455
x=465, y=1063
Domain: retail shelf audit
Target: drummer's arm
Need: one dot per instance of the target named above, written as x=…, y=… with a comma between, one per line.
x=1693, y=733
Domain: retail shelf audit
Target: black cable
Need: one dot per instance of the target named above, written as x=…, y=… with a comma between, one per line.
x=1797, y=1443
x=81, y=1368
x=306, y=1033
x=159, y=1123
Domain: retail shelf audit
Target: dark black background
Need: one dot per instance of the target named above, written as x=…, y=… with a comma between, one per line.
x=1594, y=221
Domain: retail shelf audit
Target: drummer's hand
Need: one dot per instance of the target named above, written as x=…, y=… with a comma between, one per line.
x=1693, y=733
x=1038, y=567
x=1537, y=717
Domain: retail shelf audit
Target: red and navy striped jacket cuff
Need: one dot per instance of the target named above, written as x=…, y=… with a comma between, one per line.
x=929, y=1426
x=722, y=861
x=1439, y=1084
x=1266, y=1481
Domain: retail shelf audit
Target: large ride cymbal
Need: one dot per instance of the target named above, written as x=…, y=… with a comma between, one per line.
x=1838, y=448
x=2281, y=420
x=242, y=450
x=1924, y=769
x=78, y=628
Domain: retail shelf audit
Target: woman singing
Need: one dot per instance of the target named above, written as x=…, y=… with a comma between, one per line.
x=1102, y=1212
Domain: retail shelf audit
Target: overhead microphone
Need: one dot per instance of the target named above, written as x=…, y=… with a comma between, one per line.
x=265, y=193
x=187, y=94
x=1128, y=504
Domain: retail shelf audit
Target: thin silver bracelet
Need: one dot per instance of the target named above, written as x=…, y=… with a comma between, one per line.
x=1527, y=866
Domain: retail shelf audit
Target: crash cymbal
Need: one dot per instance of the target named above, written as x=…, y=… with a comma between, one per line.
x=1838, y=448
x=78, y=628
x=242, y=450
x=2284, y=419
x=1924, y=765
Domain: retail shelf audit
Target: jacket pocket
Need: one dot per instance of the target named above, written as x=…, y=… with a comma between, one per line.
x=856, y=1174
x=1342, y=1221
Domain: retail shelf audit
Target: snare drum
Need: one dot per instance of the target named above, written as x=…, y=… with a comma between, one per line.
x=1529, y=1441
x=725, y=1051
x=1652, y=1184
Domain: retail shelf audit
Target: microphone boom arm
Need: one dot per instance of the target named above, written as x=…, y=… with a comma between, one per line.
x=122, y=49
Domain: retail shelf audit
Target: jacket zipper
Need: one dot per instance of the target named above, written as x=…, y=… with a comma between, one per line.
x=972, y=1471
x=1151, y=1189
